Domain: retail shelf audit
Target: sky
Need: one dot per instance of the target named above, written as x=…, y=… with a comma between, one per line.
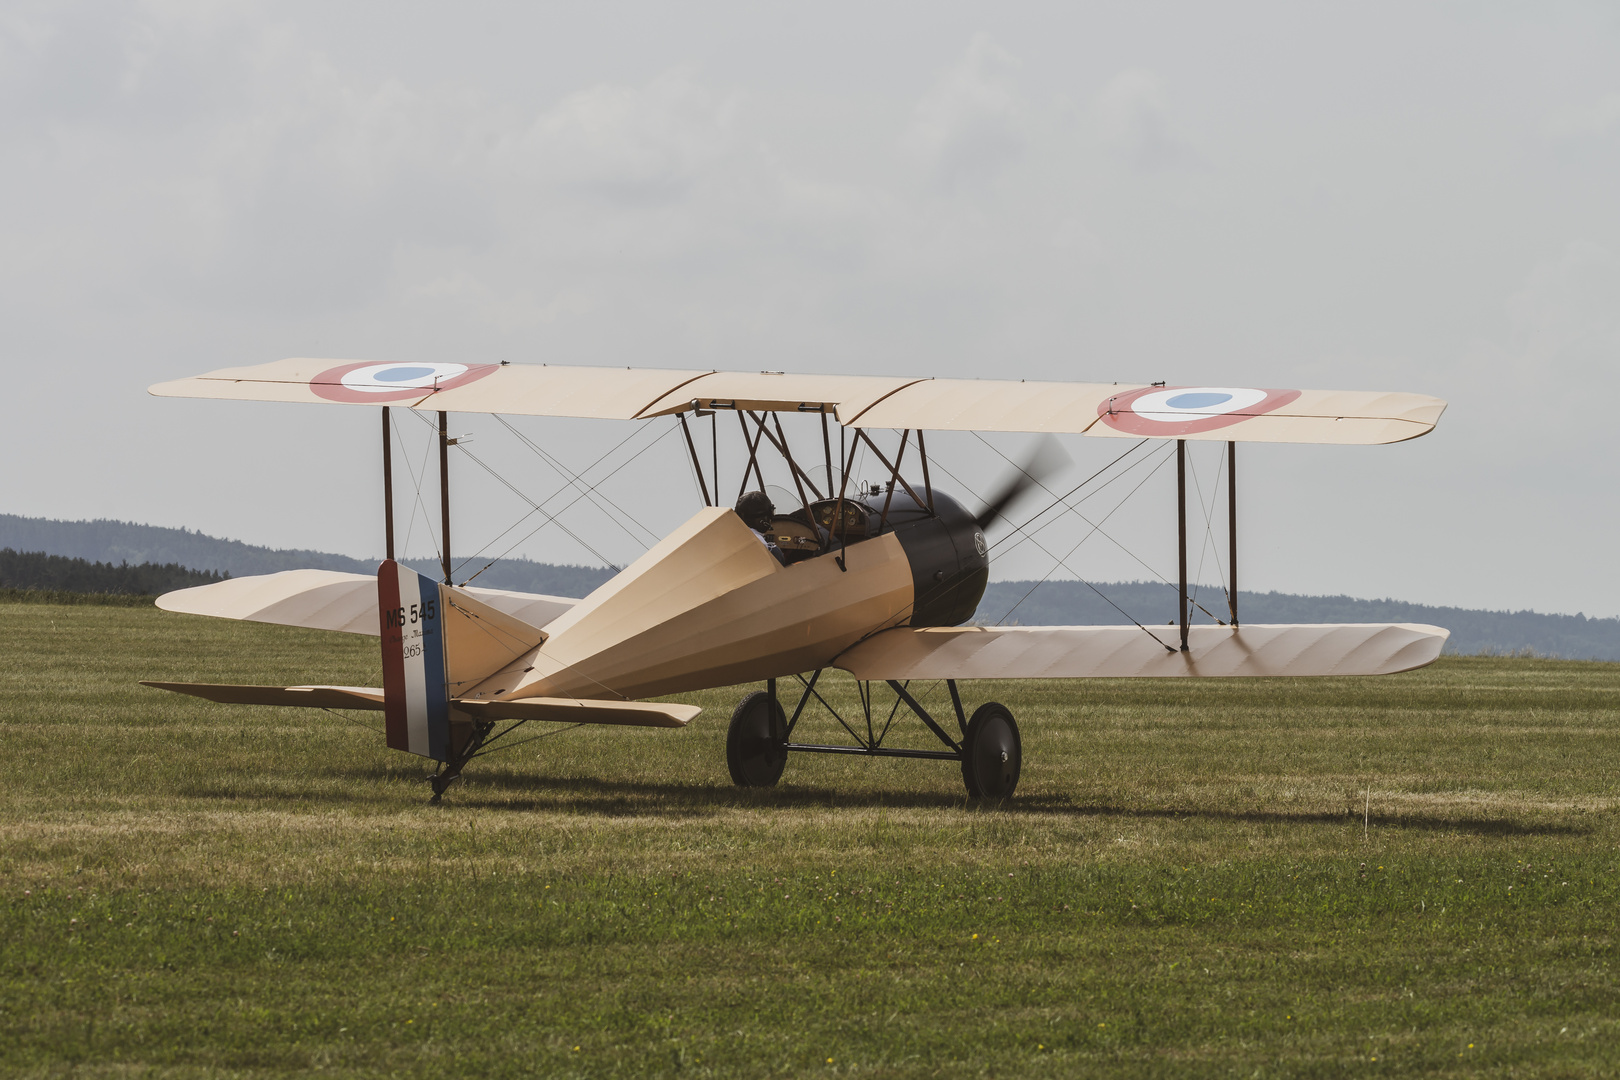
x=1370, y=196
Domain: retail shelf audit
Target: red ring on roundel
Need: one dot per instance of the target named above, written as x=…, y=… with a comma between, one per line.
x=1117, y=413
x=329, y=384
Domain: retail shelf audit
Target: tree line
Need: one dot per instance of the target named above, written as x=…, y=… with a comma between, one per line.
x=36, y=570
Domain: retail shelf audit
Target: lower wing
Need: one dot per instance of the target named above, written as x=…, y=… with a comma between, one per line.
x=1102, y=652
x=329, y=600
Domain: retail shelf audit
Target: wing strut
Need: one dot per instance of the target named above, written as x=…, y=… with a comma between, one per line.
x=1181, y=529
x=444, y=487
x=1231, y=527
x=388, y=482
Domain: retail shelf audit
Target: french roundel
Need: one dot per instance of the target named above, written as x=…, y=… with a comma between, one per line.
x=1187, y=410
x=378, y=384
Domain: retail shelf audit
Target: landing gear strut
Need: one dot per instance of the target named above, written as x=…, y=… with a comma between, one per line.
x=989, y=751
x=470, y=737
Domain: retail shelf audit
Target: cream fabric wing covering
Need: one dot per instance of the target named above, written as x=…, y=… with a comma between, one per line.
x=1101, y=652
x=329, y=600
x=866, y=401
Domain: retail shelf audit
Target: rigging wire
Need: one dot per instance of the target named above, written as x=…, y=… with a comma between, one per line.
x=522, y=742
x=579, y=482
x=416, y=479
x=1063, y=560
x=352, y=720
x=538, y=507
x=1207, y=545
x=1068, y=494
x=1030, y=538
x=497, y=538
x=553, y=517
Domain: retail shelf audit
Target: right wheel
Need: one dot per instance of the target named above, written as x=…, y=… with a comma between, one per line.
x=756, y=742
x=992, y=753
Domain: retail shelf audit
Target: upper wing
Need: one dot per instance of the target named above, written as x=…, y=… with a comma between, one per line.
x=1097, y=652
x=329, y=600
x=1242, y=414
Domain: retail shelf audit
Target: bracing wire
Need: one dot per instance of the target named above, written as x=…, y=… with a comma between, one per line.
x=1028, y=537
x=553, y=517
x=579, y=481
x=497, y=538
x=1062, y=561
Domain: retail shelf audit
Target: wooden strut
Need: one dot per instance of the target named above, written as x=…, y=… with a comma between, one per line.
x=883, y=518
x=928, y=488
x=703, y=485
x=860, y=433
x=800, y=477
x=444, y=487
x=843, y=486
x=388, y=484
x=872, y=744
x=1181, y=527
x=753, y=454
x=826, y=444
x=1231, y=528
x=794, y=465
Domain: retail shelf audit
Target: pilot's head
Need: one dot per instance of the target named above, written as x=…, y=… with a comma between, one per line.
x=756, y=510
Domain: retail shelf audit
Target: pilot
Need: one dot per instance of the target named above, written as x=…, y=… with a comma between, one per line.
x=757, y=510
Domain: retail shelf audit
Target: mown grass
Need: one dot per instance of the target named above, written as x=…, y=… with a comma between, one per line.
x=1414, y=875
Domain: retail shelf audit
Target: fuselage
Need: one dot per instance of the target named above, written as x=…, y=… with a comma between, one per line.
x=710, y=606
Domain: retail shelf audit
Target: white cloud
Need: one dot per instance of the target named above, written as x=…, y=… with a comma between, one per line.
x=632, y=144
x=1133, y=115
x=971, y=124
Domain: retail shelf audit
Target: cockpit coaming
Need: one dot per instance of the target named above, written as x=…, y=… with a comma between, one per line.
x=949, y=559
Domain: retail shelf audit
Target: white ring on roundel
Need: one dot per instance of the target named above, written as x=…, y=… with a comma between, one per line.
x=392, y=378
x=1195, y=403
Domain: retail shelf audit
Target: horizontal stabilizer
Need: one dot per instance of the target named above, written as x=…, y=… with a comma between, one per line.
x=314, y=697
x=329, y=600
x=556, y=710
x=575, y=711
x=1126, y=652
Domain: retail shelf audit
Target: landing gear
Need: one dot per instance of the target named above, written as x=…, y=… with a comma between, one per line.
x=992, y=753
x=756, y=743
x=989, y=752
x=465, y=742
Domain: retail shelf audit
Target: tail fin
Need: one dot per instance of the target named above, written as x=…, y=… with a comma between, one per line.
x=437, y=643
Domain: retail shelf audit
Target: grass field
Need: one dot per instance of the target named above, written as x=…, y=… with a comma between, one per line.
x=1184, y=885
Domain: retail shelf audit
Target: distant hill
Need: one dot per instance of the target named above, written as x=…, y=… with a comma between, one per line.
x=37, y=571
x=1051, y=603
x=1071, y=603
x=122, y=541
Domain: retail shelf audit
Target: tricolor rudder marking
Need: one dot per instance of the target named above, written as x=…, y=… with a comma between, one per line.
x=1169, y=411
x=416, y=706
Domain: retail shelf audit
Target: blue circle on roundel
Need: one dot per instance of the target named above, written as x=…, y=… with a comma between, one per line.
x=404, y=374
x=1198, y=401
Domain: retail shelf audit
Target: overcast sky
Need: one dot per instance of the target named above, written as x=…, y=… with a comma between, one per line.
x=1369, y=196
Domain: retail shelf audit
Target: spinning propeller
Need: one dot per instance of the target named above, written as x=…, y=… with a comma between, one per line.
x=1044, y=457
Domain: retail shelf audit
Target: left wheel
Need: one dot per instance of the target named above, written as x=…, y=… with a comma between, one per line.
x=992, y=752
x=756, y=742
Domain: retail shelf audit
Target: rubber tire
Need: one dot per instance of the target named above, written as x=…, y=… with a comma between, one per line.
x=756, y=742
x=992, y=752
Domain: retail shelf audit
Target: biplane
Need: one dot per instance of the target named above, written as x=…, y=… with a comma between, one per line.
x=879, y=580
